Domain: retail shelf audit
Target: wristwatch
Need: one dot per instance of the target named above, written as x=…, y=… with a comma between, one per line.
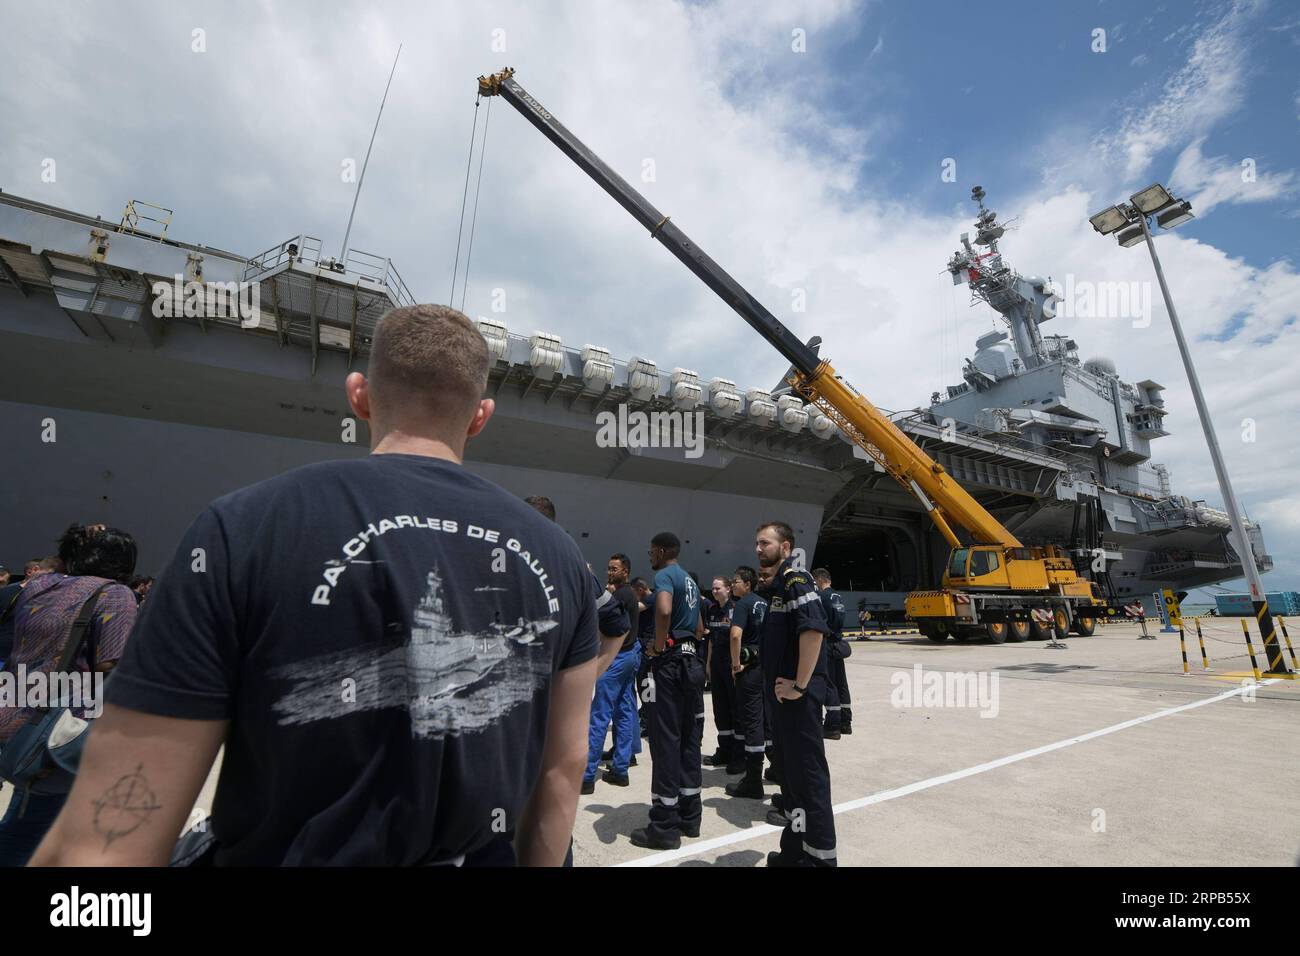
x=801, y=690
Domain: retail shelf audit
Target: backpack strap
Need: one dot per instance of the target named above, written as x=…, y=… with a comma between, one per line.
x=80, y=632
x=9, y=608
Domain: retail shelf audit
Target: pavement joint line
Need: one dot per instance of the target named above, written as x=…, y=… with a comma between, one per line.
x=744, y=836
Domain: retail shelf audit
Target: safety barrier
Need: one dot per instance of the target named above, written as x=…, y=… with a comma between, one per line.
x=1250, y=646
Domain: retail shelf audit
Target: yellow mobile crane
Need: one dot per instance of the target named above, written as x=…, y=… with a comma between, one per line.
x=995, y=585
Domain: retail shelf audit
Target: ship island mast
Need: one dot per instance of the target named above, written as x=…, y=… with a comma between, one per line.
x=1022, y=302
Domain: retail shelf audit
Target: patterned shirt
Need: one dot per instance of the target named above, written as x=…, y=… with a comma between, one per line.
x=43, y=619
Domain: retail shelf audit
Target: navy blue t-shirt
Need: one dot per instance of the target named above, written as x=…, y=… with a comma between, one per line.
x=645, y=622
x=748, y=615
x=833, y=605
x=612, y=617
x=382, y=635
x=626, y=597
x=717, y=619
x=686, y=599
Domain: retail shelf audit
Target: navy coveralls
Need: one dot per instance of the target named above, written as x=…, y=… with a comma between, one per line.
x=717, y=623
x=748, y=615
x=794, y=607
x=677, y=714
x=839, y=715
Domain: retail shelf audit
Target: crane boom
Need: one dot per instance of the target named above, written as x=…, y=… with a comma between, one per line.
x=814, y=378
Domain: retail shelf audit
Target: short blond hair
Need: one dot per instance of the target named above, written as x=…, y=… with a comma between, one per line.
x=427, y=360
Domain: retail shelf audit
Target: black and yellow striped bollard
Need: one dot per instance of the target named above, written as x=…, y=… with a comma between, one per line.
x=1205, y=661
x=1288, y=643
x=1250, y=647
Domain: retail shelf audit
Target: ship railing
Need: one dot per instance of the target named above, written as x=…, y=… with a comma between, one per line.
x=380, y=270
x=145, y=219
x=306, y=250
x=301, y=248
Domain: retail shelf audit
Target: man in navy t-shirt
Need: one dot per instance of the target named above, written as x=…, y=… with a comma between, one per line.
x=398, y=655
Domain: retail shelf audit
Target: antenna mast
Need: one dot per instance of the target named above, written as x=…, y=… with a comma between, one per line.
x=366, y=162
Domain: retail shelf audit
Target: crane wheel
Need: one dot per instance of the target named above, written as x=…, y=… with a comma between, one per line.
x=1038, y=631
x=935, y=631
x=1061, y=623
x=1085, y=626
x=996, y=631
x=1017, y=631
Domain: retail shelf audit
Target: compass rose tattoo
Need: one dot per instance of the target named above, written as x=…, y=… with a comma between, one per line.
x=124, y=807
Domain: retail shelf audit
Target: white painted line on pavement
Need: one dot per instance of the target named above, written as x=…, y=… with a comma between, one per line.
x=743, y=836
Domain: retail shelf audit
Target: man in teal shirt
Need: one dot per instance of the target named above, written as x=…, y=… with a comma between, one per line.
x=677, y=717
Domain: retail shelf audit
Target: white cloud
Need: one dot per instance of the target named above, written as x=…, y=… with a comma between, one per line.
x=1207, y=182
x=1208, y=88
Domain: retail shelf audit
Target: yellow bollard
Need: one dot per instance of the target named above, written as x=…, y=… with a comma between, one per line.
x=1205, y=661
x=1288, y=643
x=1182, y=646
x=1250, y=647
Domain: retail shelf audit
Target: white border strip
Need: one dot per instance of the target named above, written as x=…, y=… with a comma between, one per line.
x=743, y=836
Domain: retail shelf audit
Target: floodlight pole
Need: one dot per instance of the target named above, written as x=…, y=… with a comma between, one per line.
x=1272, y=648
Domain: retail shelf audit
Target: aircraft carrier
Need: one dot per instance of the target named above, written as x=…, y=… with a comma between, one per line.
x=114, y=412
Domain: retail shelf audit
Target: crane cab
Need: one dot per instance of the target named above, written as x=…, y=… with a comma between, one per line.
x=977, y=567
x=992, y=567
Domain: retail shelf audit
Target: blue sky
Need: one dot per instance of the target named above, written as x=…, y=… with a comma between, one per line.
x=995, y=86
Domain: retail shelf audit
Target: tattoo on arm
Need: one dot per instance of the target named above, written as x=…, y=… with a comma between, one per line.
x=125, y=806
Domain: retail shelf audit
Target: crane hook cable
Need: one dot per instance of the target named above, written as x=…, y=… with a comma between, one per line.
x=473, y=220
x=464, y=196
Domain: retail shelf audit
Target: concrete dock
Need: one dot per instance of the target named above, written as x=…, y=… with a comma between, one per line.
x=1102, y=753
x=1098, y=754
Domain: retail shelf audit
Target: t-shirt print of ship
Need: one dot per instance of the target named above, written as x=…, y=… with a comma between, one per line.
x=442, y=661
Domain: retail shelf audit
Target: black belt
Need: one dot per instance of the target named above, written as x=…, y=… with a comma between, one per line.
x=680, y=645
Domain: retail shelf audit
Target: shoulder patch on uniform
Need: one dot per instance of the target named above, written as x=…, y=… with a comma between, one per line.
x=795, y=576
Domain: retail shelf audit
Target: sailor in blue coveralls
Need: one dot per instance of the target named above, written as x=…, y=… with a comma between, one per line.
x=717, y=623
x=839, y=710
x=677, y=714
x=746, y=631
x=793, y=657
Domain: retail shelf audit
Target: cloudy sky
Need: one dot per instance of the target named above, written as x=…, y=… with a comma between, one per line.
x=802, y=144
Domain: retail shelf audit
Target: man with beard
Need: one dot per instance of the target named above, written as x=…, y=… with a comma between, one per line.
x=793, y=657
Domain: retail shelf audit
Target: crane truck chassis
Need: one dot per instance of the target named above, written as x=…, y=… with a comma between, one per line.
x=995, y=586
